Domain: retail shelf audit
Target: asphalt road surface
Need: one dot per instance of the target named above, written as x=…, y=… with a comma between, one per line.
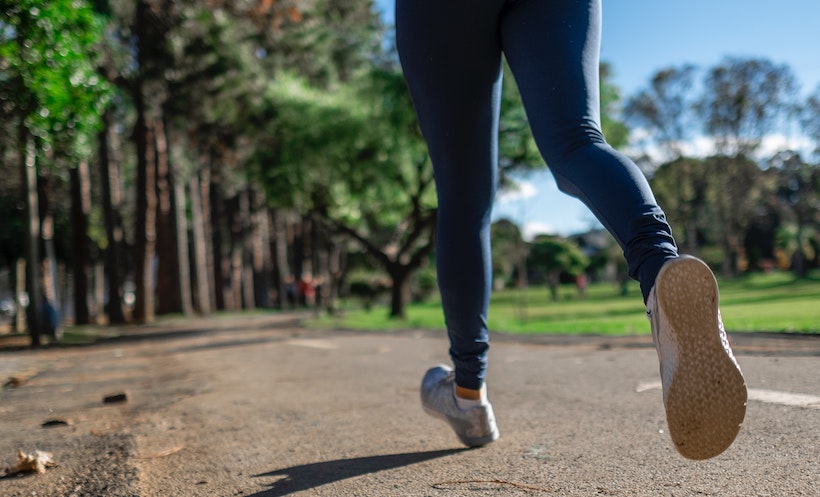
x=260, y=407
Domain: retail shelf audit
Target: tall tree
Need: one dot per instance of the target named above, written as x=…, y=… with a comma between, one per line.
x=200, y=226
x=50, y=76
x=798, y=191
x=615, y=130
x=509, y=253
x=553, y=255
x=742, y=101
x=109, y=158
x=152, y=22
x=664, y=109
x=810, y=121
x=736, y=187
x=80, y=210
x=682, y=188
x=359, y=164
x=223, y=57
x=330, y=42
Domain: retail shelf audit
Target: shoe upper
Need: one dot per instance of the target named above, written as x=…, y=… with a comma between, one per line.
x=475, y=426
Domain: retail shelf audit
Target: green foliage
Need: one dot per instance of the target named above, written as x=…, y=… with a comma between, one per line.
x=681, y=188
x=552, y=254
x=810, y=120
x=353, y=158
x=665, y=108
x=315, y=137
x=368, y=290
x=353, y=154
x=711, y=201
x=332, y=43
x=742, y=101
x=425, y=284
x=516, y=146
x=49, y=71
x=508, y=248
x=615, y=131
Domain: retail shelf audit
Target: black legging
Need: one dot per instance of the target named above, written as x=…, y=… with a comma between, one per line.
x=451, y=54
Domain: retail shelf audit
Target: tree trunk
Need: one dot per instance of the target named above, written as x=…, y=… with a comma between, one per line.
x=81, y=206
x=221, y=262
x=260, y=251
x=798, y=259
x=236, y=277
x=146, y=216
x=399, y=291
x=691, y=237
x=99, y=291
x=553, y=281
x=183, y=248
x=245, y=251
x=207, y=231
x=337, y=264
x=109, y=154
x=729, y=264
x=149, y=93
x=236, y=253
x=283, y=274
x=50, y=309
x=306, y=247
x=19, y=291
x=201, y=277
x=28, y=172
x=169, y=286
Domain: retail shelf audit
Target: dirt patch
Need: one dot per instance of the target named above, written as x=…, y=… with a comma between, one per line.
x=88, y=466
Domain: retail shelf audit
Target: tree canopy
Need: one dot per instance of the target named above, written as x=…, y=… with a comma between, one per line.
x=232, y=148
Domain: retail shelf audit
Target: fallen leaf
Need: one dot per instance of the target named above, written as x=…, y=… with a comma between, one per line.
x=32, y=462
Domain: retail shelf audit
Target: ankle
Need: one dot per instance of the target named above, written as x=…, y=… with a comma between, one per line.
x=468, y=393
x=467, y=398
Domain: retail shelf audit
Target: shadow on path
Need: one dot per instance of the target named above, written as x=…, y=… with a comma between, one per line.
x=308, y=476
x=167, y=330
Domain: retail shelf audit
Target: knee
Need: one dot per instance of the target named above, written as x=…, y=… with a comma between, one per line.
x=564, y=140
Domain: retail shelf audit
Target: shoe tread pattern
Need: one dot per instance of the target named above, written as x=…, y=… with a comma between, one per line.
x=706, y=399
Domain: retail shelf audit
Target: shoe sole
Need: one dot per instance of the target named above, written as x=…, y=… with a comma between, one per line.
x=706, y=399
x=468, y=441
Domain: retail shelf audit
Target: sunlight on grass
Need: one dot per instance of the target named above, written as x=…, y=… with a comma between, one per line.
x=771, y=302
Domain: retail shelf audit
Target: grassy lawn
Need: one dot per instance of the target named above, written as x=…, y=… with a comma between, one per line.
x=771, y=302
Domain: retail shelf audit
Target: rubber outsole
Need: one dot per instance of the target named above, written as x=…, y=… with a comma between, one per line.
x=705, y=400
x=437, y=388
x=468, y=441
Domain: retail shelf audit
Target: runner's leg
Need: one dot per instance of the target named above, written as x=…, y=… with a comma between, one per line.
x=451, y=58
x=553, y=51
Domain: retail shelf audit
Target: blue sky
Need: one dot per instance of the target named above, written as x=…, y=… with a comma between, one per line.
x=642, y=36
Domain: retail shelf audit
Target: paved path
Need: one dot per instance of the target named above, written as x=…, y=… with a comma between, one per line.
x=260, y=407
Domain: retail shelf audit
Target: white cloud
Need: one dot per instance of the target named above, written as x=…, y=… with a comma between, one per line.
x=521, y=190
x=703, y=146
x=534, y=228
x=774, y=143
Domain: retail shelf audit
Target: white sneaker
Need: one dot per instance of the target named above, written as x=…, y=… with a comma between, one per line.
x=474, y=426
x=704, y=392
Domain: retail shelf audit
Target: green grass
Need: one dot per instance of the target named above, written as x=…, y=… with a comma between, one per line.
x=775, y=302
x=772, y=302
